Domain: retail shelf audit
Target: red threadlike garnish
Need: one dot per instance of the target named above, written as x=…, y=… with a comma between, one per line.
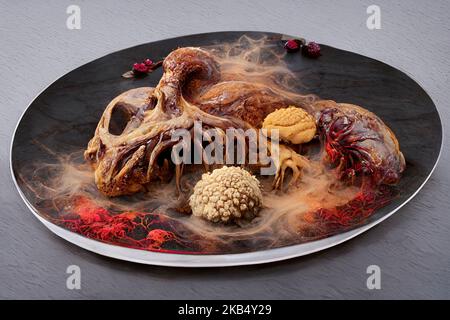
x=148, y=231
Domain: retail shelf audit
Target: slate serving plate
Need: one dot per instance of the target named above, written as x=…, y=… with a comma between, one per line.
x=65, y=114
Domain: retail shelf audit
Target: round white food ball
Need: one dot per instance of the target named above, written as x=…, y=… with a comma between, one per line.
x=226, y=194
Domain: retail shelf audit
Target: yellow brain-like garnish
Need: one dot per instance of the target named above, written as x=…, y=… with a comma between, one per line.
x=294, y=125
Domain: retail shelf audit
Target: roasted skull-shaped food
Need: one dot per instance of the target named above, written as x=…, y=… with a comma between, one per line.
x=126, y=157
x=189, y=90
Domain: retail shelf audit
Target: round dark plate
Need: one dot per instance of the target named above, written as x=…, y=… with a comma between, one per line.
x=64, y=116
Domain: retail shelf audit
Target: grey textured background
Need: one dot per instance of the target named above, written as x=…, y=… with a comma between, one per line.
x=412, y=247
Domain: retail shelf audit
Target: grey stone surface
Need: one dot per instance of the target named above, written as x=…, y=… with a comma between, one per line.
x=412, y=248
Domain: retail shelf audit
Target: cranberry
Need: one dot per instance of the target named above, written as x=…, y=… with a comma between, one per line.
x=148, y=62
x=311, y=50
x=292, y=45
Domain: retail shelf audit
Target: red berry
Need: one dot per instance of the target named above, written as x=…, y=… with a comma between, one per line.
x=148, y=62
x=292, y=45
x=140, y=68
x=311, y=50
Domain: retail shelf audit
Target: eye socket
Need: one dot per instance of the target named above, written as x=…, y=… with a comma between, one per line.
x=120, y=116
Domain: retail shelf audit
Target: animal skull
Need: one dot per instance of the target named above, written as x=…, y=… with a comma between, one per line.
x=191, y=89
x=125, y=162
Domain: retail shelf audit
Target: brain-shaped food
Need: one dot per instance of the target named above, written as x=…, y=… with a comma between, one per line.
x=225, y=195
x=294, y=125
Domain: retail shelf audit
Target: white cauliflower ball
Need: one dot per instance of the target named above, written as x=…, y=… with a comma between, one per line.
x=227, y=194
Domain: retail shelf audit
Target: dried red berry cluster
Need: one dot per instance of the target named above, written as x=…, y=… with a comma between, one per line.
x=310, y=49
x=142, y=68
